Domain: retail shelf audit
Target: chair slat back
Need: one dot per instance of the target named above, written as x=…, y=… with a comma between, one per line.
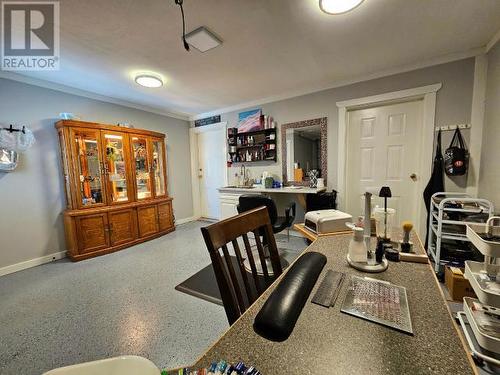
x=237, y=289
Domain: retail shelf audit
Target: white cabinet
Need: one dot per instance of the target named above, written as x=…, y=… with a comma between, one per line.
x=228, y=203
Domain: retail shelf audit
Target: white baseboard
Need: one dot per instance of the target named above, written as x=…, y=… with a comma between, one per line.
x=186, y=220
x=31, y=263
x=55, y=256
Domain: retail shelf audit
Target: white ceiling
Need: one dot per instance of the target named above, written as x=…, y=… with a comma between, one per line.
x=271, y=48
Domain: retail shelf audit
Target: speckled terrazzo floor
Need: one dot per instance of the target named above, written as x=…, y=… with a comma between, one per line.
x=63, y=313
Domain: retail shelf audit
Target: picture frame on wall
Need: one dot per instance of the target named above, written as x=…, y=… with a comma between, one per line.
x=249, y=121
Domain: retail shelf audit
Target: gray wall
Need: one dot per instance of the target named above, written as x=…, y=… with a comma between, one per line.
x=454, y=102
x=32, y=197
x=489, y=176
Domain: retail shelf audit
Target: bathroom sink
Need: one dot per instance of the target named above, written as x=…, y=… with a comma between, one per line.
x=238, y=187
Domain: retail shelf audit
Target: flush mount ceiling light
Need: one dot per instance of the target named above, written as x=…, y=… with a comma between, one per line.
x=203, y=39
x=338, y=6
x=149, y=80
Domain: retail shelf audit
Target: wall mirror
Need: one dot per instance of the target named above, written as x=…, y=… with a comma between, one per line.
x=303, y=148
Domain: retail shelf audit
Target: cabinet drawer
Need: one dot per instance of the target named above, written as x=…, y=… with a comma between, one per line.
x=147, y=218
x=122, y=226
x=165, y=216
x=230, y=198
x=92, y=232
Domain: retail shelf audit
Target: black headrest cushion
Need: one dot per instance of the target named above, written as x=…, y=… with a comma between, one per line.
x=277, y=318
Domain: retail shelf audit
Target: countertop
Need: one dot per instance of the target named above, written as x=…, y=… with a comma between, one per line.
x=326, y=341
x=258, y=189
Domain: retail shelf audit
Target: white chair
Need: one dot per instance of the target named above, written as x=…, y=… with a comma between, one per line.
x=124, y=365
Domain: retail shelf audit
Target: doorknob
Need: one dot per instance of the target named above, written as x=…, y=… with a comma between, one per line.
x=413, y=176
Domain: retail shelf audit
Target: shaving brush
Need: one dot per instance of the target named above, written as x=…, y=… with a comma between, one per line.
x=406, y=245
x=407, y=227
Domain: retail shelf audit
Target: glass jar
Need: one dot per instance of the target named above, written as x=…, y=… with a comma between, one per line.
x=384, y=221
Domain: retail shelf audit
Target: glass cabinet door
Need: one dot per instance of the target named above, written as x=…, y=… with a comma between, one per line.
x=142, y=168
x=159, y=167
x=115, y=167
x=87, y=146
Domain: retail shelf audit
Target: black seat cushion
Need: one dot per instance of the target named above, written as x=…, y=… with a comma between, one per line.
x=277, y=318
x=281, y=224
x=248, y=202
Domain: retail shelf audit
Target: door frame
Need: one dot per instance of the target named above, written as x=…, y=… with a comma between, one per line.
x=425, y=93
x=193, y=143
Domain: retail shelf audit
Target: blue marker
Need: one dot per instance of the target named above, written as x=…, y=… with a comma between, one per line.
x=212, y=369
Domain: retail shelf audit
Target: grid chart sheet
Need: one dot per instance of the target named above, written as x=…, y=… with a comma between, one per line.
x=380, y=302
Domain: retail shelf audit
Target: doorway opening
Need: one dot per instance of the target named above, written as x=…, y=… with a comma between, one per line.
x=208, y=168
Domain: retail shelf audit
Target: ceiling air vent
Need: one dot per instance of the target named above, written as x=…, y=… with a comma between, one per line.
x=202, y=39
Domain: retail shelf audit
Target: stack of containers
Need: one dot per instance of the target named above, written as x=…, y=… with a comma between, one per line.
x=480, y=319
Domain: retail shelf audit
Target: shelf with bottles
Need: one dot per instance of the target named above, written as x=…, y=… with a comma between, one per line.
x=250, y=155
x=266, y=145
x=264, y=136
x=254, y=146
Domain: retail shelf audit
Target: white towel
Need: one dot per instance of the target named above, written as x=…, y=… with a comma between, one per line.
x=16, y=141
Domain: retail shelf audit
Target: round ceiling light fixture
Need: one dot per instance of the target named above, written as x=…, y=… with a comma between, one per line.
x=150, y=80
x=338, y=6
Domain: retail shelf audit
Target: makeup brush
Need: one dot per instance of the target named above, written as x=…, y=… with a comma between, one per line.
x=407, y=227
x=406, y=244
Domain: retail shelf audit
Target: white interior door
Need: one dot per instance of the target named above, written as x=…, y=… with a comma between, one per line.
x=211, y=170
x=383, y=146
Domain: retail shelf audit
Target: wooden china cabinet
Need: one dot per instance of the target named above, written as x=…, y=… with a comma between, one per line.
x=115, y=182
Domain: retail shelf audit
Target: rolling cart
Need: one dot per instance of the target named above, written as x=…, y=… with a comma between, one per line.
x=480, y=319
x=449, y=215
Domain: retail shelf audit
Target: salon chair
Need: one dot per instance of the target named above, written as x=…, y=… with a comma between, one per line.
x=249, y=202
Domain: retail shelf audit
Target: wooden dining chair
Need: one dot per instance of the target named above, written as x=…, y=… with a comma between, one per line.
x=238, y=290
